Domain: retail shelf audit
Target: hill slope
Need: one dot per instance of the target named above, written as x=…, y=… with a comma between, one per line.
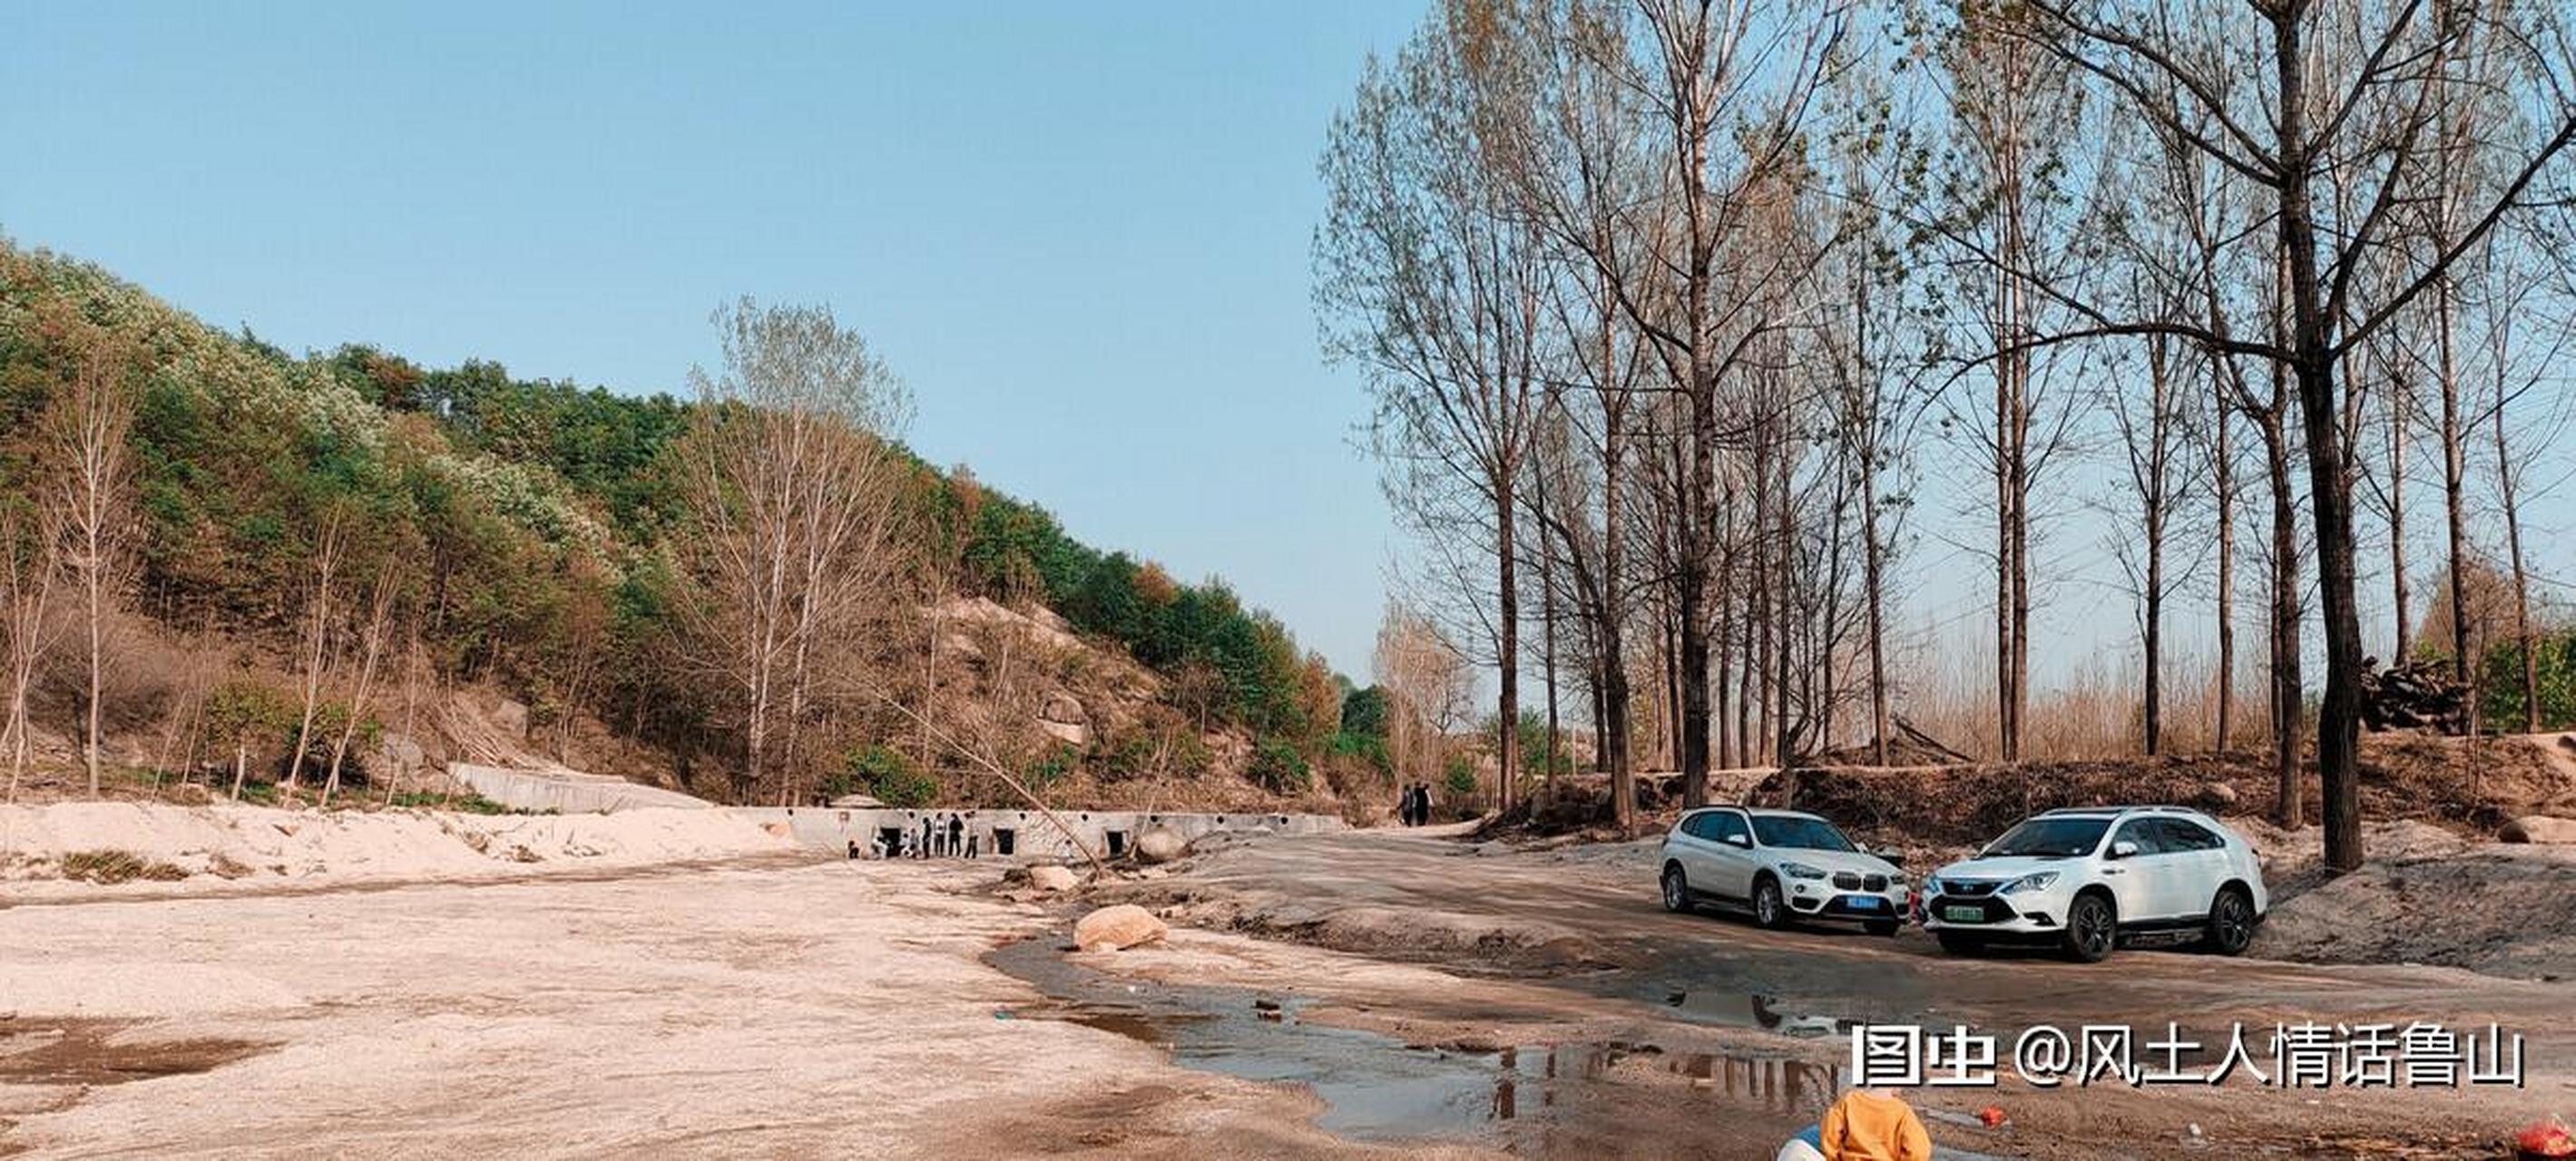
x=531, y=532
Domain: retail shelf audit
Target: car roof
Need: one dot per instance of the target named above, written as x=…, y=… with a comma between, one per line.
x=1759, y=812
x=2115, y=812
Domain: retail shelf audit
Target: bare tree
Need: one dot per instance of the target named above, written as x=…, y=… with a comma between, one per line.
x=2334, y=95
x=1430, y=282
x=91, y=424
x=29, y=568
x=1428, y=688
x=318, y=644
x=797, y=530
x=383, y=592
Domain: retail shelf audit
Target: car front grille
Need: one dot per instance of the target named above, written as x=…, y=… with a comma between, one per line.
x=1874, y=883
x=1846, y=880
x=1966, y=888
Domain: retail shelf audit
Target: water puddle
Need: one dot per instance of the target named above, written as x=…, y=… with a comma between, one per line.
x=1376, y=1088
x=86, y=1052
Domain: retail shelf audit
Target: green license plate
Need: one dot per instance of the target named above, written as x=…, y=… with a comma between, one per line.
x=1964, y=914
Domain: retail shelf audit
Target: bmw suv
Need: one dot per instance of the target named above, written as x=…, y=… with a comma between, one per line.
x=2085, y=878
x=1779, y=865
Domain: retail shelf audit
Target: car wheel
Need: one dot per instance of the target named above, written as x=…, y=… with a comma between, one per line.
x=1768, y=908
x=1881, y=926
x=2092, y=930
x=2231, y=922
x=1961, y=942
x=1677, y=896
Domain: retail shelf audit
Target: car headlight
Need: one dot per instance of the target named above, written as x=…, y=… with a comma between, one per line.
x=1896, y=881
x=2039, y=881
x=1801, y=871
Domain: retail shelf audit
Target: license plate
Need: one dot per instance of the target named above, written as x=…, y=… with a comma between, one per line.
x=1964, y=914
x=1866, y=902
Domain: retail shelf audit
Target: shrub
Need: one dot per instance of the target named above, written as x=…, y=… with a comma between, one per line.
x=109, y=866
x=1279, y=768
x=886, y=774
x=1459, y=777
x=1050, y=764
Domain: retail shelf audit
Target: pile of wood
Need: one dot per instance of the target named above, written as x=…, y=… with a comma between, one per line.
x=2412, y=696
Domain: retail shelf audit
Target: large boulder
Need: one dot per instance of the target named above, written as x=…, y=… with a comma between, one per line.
x=2539, y=828
x=1049, y=877
x=1118, y=928
x=512, y=717
x=1160, y=845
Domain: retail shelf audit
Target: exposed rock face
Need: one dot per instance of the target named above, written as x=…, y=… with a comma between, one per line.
x=1160, y=845
x=1118, y=928
x=1066, y=732
x=2539, y=828
x=1048, y=877
x=511, y=717
x=1063, y=707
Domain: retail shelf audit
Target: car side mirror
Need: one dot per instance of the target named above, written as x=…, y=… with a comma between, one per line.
x=2123, y=849
x=1891, y=858
x=1740, y=840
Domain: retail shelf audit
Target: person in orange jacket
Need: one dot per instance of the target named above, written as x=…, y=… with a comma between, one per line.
x=1873, y=1125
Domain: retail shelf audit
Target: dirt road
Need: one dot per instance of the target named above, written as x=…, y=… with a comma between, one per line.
x=1584, y=923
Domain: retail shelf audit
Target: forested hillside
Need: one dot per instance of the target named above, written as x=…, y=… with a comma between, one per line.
x=295, y=556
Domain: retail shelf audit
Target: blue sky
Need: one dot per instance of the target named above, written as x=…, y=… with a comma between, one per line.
x=1080, y=232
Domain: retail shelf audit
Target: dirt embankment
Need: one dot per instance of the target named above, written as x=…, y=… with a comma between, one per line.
x=214, y=848
x=2473, y=786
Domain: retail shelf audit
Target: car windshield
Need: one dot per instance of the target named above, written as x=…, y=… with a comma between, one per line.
x=1804, y=834
x=2052, y=837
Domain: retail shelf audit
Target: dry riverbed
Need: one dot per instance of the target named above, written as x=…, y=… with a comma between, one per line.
x=1367, y=994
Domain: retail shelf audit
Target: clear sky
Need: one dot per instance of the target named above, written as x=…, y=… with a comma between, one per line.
x=1079, y=231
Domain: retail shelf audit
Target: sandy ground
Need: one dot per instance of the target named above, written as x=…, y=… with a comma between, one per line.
x=227, y=849
x=821, y=1009
x=1405, y=994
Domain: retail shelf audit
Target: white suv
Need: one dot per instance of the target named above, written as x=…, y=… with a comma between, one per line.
x=2083, y=878
x=1780, y=865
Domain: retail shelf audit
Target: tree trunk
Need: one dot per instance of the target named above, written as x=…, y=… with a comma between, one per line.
x=2397, y=594
x=2455, y=496
x=2521, y=577
x=1507, y=746
x=2329, y=479
x=2284, y=624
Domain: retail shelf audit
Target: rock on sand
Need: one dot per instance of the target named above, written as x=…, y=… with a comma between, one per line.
x=1160, y=845
x=1118, y=928
x=1049, y=877
x=2539, y=828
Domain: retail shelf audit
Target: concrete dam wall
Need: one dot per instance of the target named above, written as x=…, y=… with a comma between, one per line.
x=1018, y=835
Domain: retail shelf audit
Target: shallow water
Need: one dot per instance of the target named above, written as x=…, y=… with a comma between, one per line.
x=1377, y=1088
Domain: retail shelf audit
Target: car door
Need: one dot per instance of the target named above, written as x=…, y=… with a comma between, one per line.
x=1731, y=849
x=1695, y=848
x=2199, y=857
x=2141, y=882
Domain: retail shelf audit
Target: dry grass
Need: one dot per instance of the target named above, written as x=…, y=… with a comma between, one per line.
x=2097, y=711
x=113, y=866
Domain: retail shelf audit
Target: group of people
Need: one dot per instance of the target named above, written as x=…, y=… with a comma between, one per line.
x=1413, y=804
x=935, y=838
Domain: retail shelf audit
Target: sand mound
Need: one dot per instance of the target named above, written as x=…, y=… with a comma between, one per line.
x=251, y=843
x=2489, y=907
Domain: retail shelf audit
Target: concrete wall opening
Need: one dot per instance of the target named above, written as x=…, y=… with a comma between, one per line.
x=1117, y=843
x=1005, y=840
